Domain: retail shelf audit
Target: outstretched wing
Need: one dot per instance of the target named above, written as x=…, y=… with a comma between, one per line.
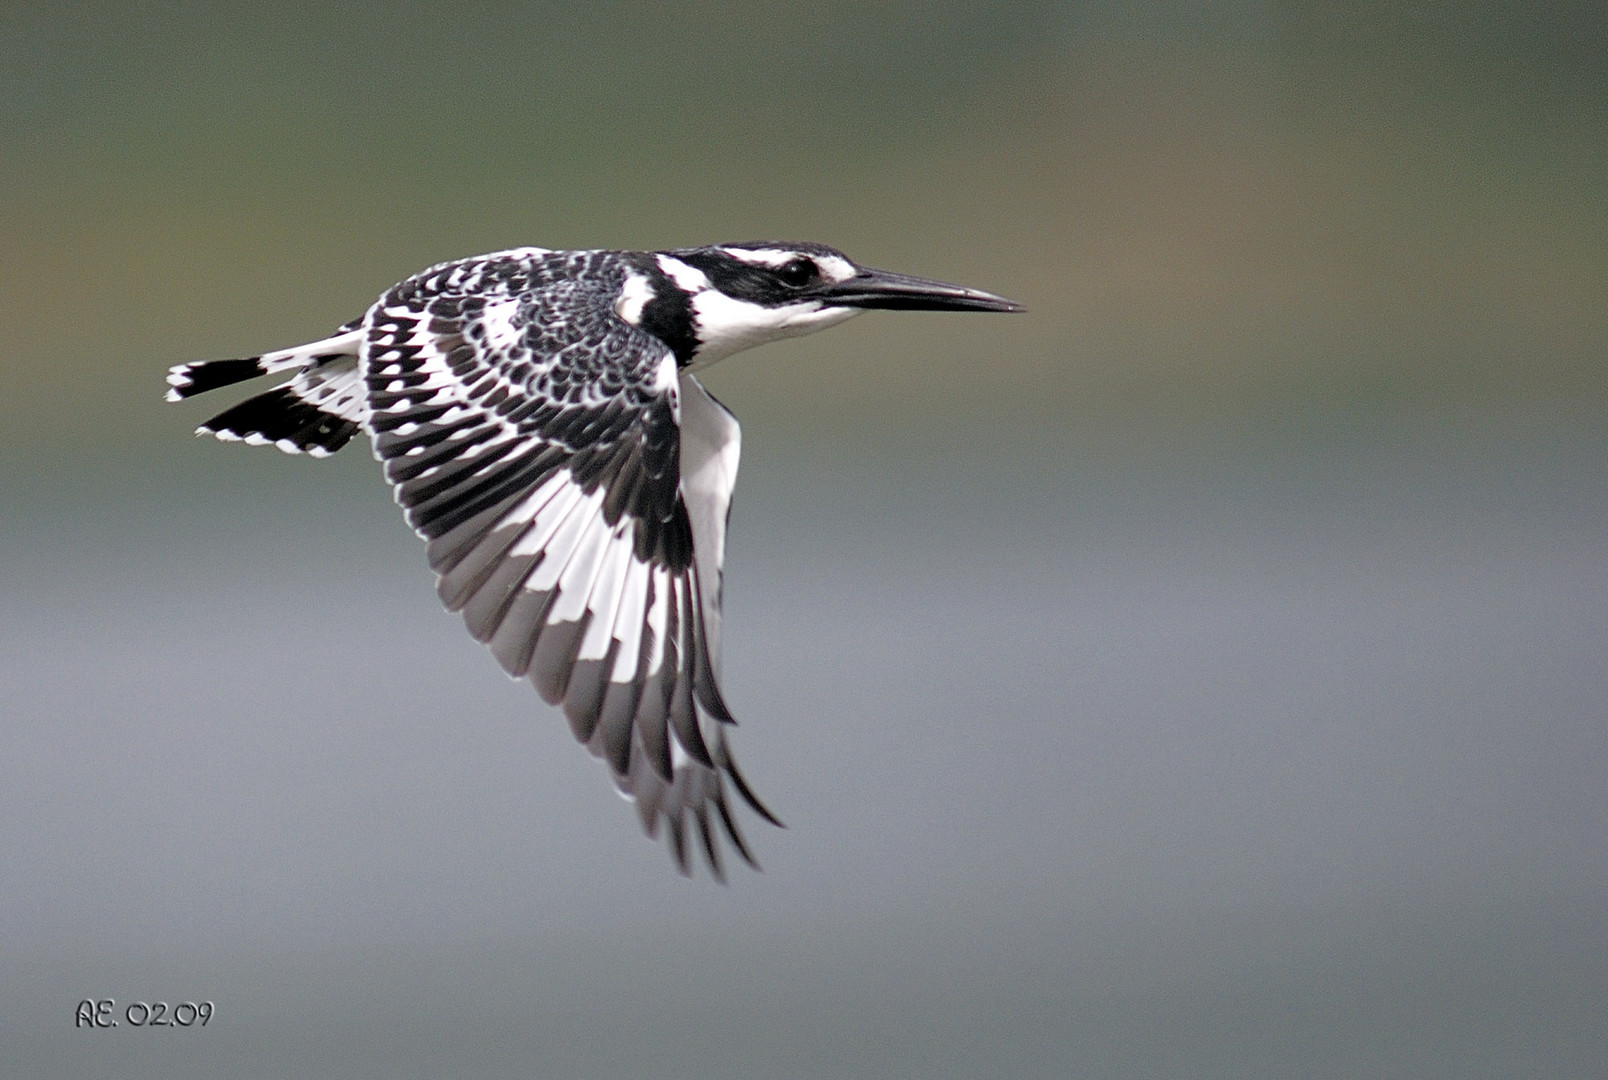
x=536, y=440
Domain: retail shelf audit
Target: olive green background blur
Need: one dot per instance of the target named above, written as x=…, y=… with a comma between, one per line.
x=1233, y=212
x=1199, y=675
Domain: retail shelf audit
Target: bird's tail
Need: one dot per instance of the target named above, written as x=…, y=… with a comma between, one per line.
x=317, y=412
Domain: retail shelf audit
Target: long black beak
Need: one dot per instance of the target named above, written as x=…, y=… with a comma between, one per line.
x=901, y=292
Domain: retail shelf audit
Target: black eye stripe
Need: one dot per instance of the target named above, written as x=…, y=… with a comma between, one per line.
x=754, y=282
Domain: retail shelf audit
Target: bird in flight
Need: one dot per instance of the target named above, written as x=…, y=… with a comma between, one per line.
x=538, y=416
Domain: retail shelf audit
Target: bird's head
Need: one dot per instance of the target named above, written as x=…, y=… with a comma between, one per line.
x=741, y=295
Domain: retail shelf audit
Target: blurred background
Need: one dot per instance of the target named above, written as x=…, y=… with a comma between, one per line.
x=1200, y=675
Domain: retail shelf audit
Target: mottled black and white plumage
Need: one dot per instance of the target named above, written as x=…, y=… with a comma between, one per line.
x=537, y=415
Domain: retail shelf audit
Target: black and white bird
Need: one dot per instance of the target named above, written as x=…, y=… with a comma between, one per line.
x=538, y=417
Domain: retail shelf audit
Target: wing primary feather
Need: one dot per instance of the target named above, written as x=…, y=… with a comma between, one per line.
x=703, y=670
x=515, y=640
x=648, y=789
x=449, y=549
x=608, y=597
x=678, y=837
x=448, y=439
x=683, y=710
x=730, y=823
x=484, y=611
x=622, y=697
x=522, y=529
x=631, y=628
x=613, y=580
x=730, y=765
x=615, y=713
x=652, y=723
x=653, y=707
x=711, y=850
x=574, y=549
x=553, y=657
x=389, y=421
x=476, y=566
x=583, y=706
x=585, y=537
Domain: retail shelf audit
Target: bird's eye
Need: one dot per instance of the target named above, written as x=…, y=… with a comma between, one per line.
x=798, y=273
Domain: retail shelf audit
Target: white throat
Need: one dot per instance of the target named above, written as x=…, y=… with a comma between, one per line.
x=726, y=326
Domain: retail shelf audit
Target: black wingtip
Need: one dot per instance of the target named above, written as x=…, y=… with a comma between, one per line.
x=734, y=833
x=678, y=843
x=711, y=847
x=737, y=781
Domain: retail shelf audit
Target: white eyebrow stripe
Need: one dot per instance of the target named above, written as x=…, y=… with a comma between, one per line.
x=772, y=257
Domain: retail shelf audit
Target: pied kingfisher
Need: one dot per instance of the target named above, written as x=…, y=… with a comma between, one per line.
x=538, y=418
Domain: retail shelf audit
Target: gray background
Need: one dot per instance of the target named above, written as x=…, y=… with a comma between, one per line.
x=1201, y=675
